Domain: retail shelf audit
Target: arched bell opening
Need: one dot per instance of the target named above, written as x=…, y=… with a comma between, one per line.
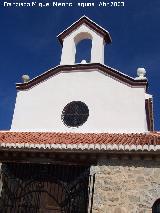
x=83, y=47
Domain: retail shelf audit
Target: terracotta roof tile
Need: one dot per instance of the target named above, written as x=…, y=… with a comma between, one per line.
x=151, y=138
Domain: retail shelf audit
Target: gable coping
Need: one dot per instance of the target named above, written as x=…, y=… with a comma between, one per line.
x=62, y=68
x=88, y=22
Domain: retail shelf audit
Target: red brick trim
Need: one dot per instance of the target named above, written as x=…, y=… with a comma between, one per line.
x=91, y=24
x=66, y=68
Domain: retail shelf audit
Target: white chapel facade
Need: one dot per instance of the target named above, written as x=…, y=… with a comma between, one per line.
x=115, y=101
x=82, y=138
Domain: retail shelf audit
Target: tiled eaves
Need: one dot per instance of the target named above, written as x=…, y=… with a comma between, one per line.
x=80, y=141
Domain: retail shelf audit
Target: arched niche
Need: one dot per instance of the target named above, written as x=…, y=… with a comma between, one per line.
x=83, y=47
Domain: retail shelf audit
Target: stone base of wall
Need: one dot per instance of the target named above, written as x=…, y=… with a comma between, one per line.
x=126, y=186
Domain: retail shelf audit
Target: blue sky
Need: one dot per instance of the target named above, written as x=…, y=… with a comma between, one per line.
x=28, y=44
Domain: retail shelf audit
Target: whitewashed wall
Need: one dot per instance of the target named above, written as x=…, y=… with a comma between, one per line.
x=69, y=45
x=113, y=106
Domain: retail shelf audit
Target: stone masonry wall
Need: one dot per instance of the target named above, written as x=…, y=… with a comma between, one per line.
x=126, y=186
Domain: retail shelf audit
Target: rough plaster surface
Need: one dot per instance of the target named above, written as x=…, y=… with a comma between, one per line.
x=126, y=186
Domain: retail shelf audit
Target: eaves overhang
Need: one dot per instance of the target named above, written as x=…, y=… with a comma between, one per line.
x=81, y=142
